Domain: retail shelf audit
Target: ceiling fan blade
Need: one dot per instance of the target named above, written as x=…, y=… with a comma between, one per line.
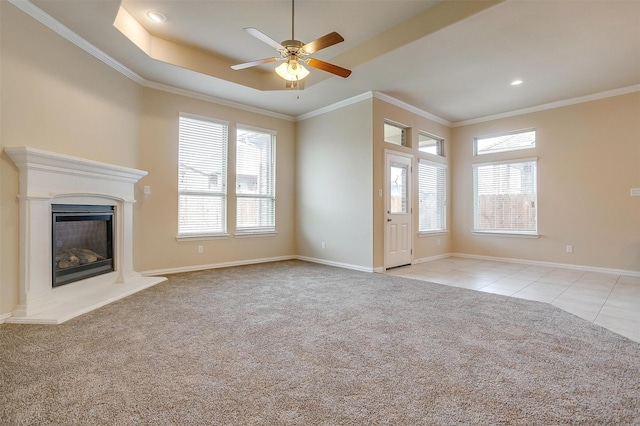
x=323, y=42
x=263, y=37
x=253, y=63
x=326, y=66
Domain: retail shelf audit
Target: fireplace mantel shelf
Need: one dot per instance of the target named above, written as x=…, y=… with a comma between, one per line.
x=48, y=178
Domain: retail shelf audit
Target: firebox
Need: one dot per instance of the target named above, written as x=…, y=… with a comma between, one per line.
x=82, y=242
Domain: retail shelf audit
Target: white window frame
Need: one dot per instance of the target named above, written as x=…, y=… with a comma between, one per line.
x=476, y=201
x=404, y=139
x=271, y=186
x=441, y=189
x=439, y=145
x=476, y=152
x=221, y=194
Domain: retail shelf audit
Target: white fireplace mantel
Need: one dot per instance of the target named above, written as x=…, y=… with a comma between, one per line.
x=48, y=178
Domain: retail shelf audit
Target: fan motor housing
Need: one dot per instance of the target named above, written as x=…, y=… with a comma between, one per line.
x=293, y=47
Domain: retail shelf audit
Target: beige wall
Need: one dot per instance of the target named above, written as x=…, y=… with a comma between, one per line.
x=55, y=97
x=588, y=159
x=157, y=214
x=334, y=181
x=427, y=245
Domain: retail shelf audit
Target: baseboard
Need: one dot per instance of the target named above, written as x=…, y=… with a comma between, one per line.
x=169, y=271
x=337, y=264
x=178, y=270
x=431, y=258
x=4, y=317
x=551, y=264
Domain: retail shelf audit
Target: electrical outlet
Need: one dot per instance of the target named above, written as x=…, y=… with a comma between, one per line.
x=200, y=249
x=438, y=241
x=635, y=192
x=324, y=245
x=569, y=248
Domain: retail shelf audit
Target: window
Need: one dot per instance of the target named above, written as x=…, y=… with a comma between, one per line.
x=398, y=188
x=505, y=197
x=522, y=139
x=432, y=197
x=395, y=133
x=430, y=144
x=202, y=176
x=255, y=181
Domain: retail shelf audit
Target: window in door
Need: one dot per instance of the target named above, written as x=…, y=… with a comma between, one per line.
x=398, y=188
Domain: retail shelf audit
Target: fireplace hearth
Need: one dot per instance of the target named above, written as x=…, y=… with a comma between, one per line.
x=76, y=235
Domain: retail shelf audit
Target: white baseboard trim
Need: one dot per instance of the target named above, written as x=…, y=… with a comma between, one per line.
x=169, y=271
x=430, y=258
x=4, y=317
x=551, y=264
x=337, y=264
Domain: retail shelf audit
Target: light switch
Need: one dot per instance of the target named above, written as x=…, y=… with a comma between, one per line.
x=635, y=192
x=147, y=190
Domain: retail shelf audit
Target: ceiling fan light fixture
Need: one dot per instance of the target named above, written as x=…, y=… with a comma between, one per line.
x=292, y=70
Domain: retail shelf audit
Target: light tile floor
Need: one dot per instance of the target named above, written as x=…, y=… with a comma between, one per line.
x=609, y=300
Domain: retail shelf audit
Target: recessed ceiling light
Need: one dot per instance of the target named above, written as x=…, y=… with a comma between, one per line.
x=516, y=82
x=156, y=16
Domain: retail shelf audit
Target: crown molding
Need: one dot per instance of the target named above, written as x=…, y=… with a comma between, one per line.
x=215, y=100
x=400, y=104
x=552, y=105
x=38, y=14
x=55, y=25
x=41, y=16
x=336, y=106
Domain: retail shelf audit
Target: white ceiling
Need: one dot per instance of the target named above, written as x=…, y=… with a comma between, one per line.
x=428, y=54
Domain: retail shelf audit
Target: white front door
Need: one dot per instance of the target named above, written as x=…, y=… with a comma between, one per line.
x=397, y=236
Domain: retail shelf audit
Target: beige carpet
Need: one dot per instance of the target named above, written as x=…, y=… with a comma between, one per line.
x=299, y=343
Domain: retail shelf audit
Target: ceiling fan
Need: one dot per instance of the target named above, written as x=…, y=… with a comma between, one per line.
x=296, y=53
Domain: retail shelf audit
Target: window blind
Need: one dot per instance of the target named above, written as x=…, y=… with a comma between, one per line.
x=255, y=181
x=202, y=176
x=505, y=197
x=432, y=196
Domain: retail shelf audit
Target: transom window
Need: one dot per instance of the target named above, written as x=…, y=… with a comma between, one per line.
x=512, y=141
x=202, y=176
x=395, y=133
x=430, y=144
x=255, y=181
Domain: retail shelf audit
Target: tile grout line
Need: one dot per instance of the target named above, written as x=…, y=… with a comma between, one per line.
x=607, y=298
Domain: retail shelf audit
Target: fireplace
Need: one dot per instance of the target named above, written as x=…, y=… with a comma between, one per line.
x=68, y=203
x=81, y=242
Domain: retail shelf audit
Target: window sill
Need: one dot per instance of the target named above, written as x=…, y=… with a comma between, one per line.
x=202, y=237
x=432, y=233
x=507, y=234
x=255, y=234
